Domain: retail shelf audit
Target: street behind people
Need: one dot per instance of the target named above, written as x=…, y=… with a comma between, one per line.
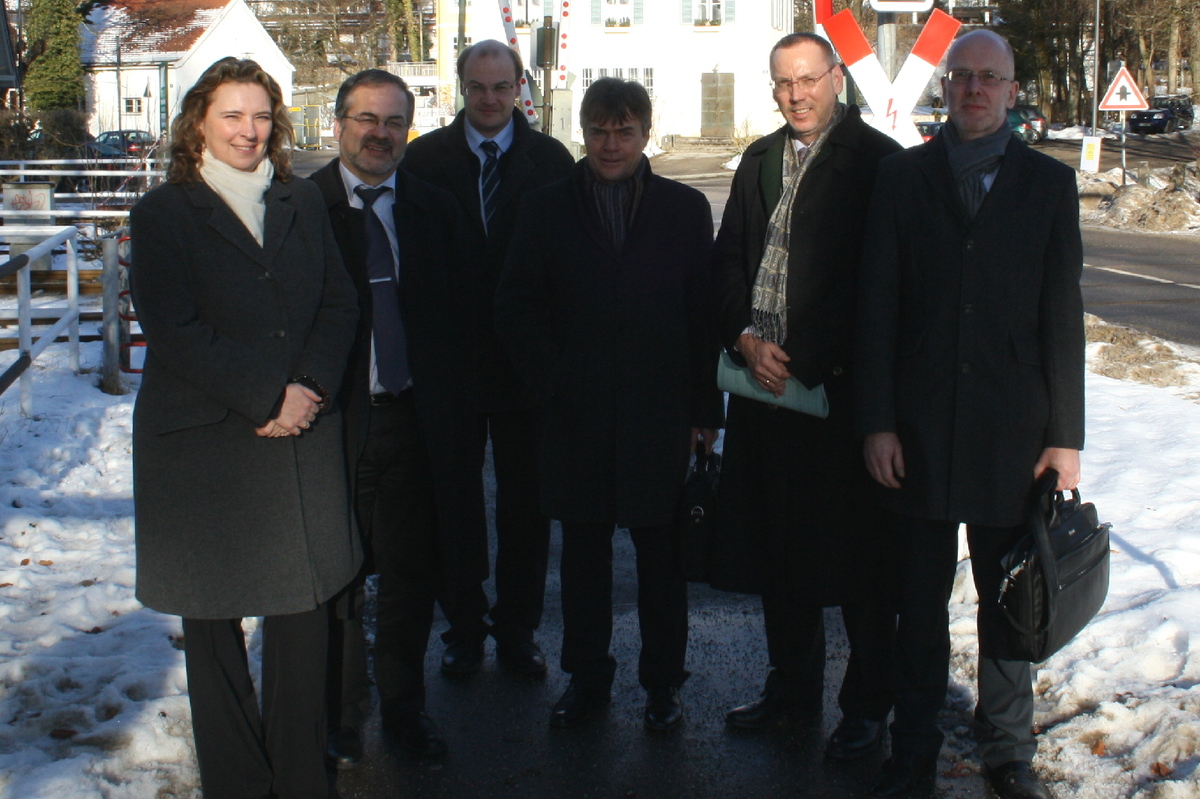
x=969, y=384
x=240, y=488
x=605, y=319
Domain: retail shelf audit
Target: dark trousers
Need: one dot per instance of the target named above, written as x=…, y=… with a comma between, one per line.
x=522, y=536
x=397, y=515
x=796, y=648
x=1004, y=714
x=587, y=580
x=243, y=752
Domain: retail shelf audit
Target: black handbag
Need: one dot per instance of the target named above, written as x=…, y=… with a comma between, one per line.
x=1056, y=577
x=697, y=515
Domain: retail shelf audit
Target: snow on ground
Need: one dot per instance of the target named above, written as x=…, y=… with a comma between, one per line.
x=92, y=688
x=1164, y=200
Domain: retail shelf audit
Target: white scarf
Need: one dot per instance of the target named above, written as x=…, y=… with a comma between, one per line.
x=242, y=191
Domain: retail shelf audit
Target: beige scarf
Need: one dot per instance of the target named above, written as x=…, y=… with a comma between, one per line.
x=768, y=301
x=242, y=191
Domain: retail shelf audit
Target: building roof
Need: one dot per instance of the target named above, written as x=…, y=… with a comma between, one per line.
x=147, y=31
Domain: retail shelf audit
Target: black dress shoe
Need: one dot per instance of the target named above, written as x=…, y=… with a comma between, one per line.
x=903, y=777
x=462, y=658
x=769, y=710
x=522, y=657
x=855, y=737
x=664, y=709
x=576, y=703
x=417, y=733
x=345, y=748
x=1016, y=780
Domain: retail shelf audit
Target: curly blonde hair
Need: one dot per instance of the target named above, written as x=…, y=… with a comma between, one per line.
x=186, y=142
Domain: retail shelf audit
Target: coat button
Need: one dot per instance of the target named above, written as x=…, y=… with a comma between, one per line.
x=838, y=371
x=278, y=334
x=970, y=244
x=966, y=368
x=968, y=308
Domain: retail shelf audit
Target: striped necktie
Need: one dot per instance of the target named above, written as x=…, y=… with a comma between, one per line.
x=489, y=179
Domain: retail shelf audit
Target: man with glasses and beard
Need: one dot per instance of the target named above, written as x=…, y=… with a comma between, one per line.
x=405, y=415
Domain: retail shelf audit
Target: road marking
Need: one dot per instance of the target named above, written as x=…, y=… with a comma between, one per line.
x=1143, y=277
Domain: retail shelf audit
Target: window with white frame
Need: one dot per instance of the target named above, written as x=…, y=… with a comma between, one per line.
x=618, y=13
x=648, y=81
x=133, y=105
x=588, y=77
x=708, y=12
x=781, y=15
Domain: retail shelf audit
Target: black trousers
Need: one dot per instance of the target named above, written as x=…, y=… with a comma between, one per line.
x=796, y=648
x=1004, y=714
x=587, y=581
x=245, y=753
x=398, y=518
x=522, y=536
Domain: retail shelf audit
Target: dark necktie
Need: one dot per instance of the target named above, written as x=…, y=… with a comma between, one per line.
x=490, y=179
x=387, y=328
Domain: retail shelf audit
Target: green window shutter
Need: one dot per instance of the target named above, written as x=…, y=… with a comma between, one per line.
x=637, y=12
x=595, y=12
x=687, y=12
x=729, y=5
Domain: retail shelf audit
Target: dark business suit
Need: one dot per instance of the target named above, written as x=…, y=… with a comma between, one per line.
x=420, y=518
x=444, y=158
x=789, y=523
x=971, y=350
x=616, y=346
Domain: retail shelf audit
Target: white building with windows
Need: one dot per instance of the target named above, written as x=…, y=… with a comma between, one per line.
x=141, y=56
x=704, y=62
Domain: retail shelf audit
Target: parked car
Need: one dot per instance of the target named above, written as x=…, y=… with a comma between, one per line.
x=1035, y=119
x=1021, y=126
x=122, y=144
x=929, y=129
x=1166, y=115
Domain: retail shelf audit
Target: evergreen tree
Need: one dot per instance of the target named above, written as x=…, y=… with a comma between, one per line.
x=54, y=78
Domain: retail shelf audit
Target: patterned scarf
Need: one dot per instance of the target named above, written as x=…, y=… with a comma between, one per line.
x=768, y=301
x=616, y=203
x=971, y=160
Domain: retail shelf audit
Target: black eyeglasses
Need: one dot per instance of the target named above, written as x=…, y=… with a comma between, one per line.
x=986, y=77
x=393, y=124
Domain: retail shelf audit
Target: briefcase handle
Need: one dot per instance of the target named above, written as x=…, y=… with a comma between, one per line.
x=1043, y=512
x=705, y=461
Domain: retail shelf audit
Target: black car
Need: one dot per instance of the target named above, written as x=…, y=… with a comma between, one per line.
x=122, y=144
x=1165, y=115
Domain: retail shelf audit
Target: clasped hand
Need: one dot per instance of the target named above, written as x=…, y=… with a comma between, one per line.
x=297, y=413
x=766, y=361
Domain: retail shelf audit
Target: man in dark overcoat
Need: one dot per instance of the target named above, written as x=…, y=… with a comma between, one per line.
x=601, y=306
x=970, y=384
x=790, y=523
x=419, y=511
x=488, y=187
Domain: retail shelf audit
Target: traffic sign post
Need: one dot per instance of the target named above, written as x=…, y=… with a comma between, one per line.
x=1123, y=95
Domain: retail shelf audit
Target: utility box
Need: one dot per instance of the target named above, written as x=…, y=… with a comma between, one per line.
x=29, y=197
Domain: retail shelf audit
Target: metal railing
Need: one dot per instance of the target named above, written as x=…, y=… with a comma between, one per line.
x=29, y=348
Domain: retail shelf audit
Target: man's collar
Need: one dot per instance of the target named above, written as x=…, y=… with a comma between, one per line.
x=352, y=181
x=503, y=139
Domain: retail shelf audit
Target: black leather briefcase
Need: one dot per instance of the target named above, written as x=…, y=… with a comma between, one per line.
x=1056, y=577
x=697, y=515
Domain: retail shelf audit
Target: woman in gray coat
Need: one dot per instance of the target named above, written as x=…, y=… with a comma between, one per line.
x=240, y=490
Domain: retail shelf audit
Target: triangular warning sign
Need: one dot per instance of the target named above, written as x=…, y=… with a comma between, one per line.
x=1123, y=94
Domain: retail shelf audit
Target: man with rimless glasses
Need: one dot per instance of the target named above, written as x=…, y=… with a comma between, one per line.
x=489, y=158
x=791, y=525
x=970, y=385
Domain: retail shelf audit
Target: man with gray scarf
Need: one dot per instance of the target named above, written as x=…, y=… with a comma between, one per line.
x=790, y=524
x=970, y=383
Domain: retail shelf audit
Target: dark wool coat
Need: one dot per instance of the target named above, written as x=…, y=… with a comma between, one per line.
x=615, y=345
x=433, y=275
x=789, y=511
x=971, y=343
x=230, y=524
x=443, y=158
